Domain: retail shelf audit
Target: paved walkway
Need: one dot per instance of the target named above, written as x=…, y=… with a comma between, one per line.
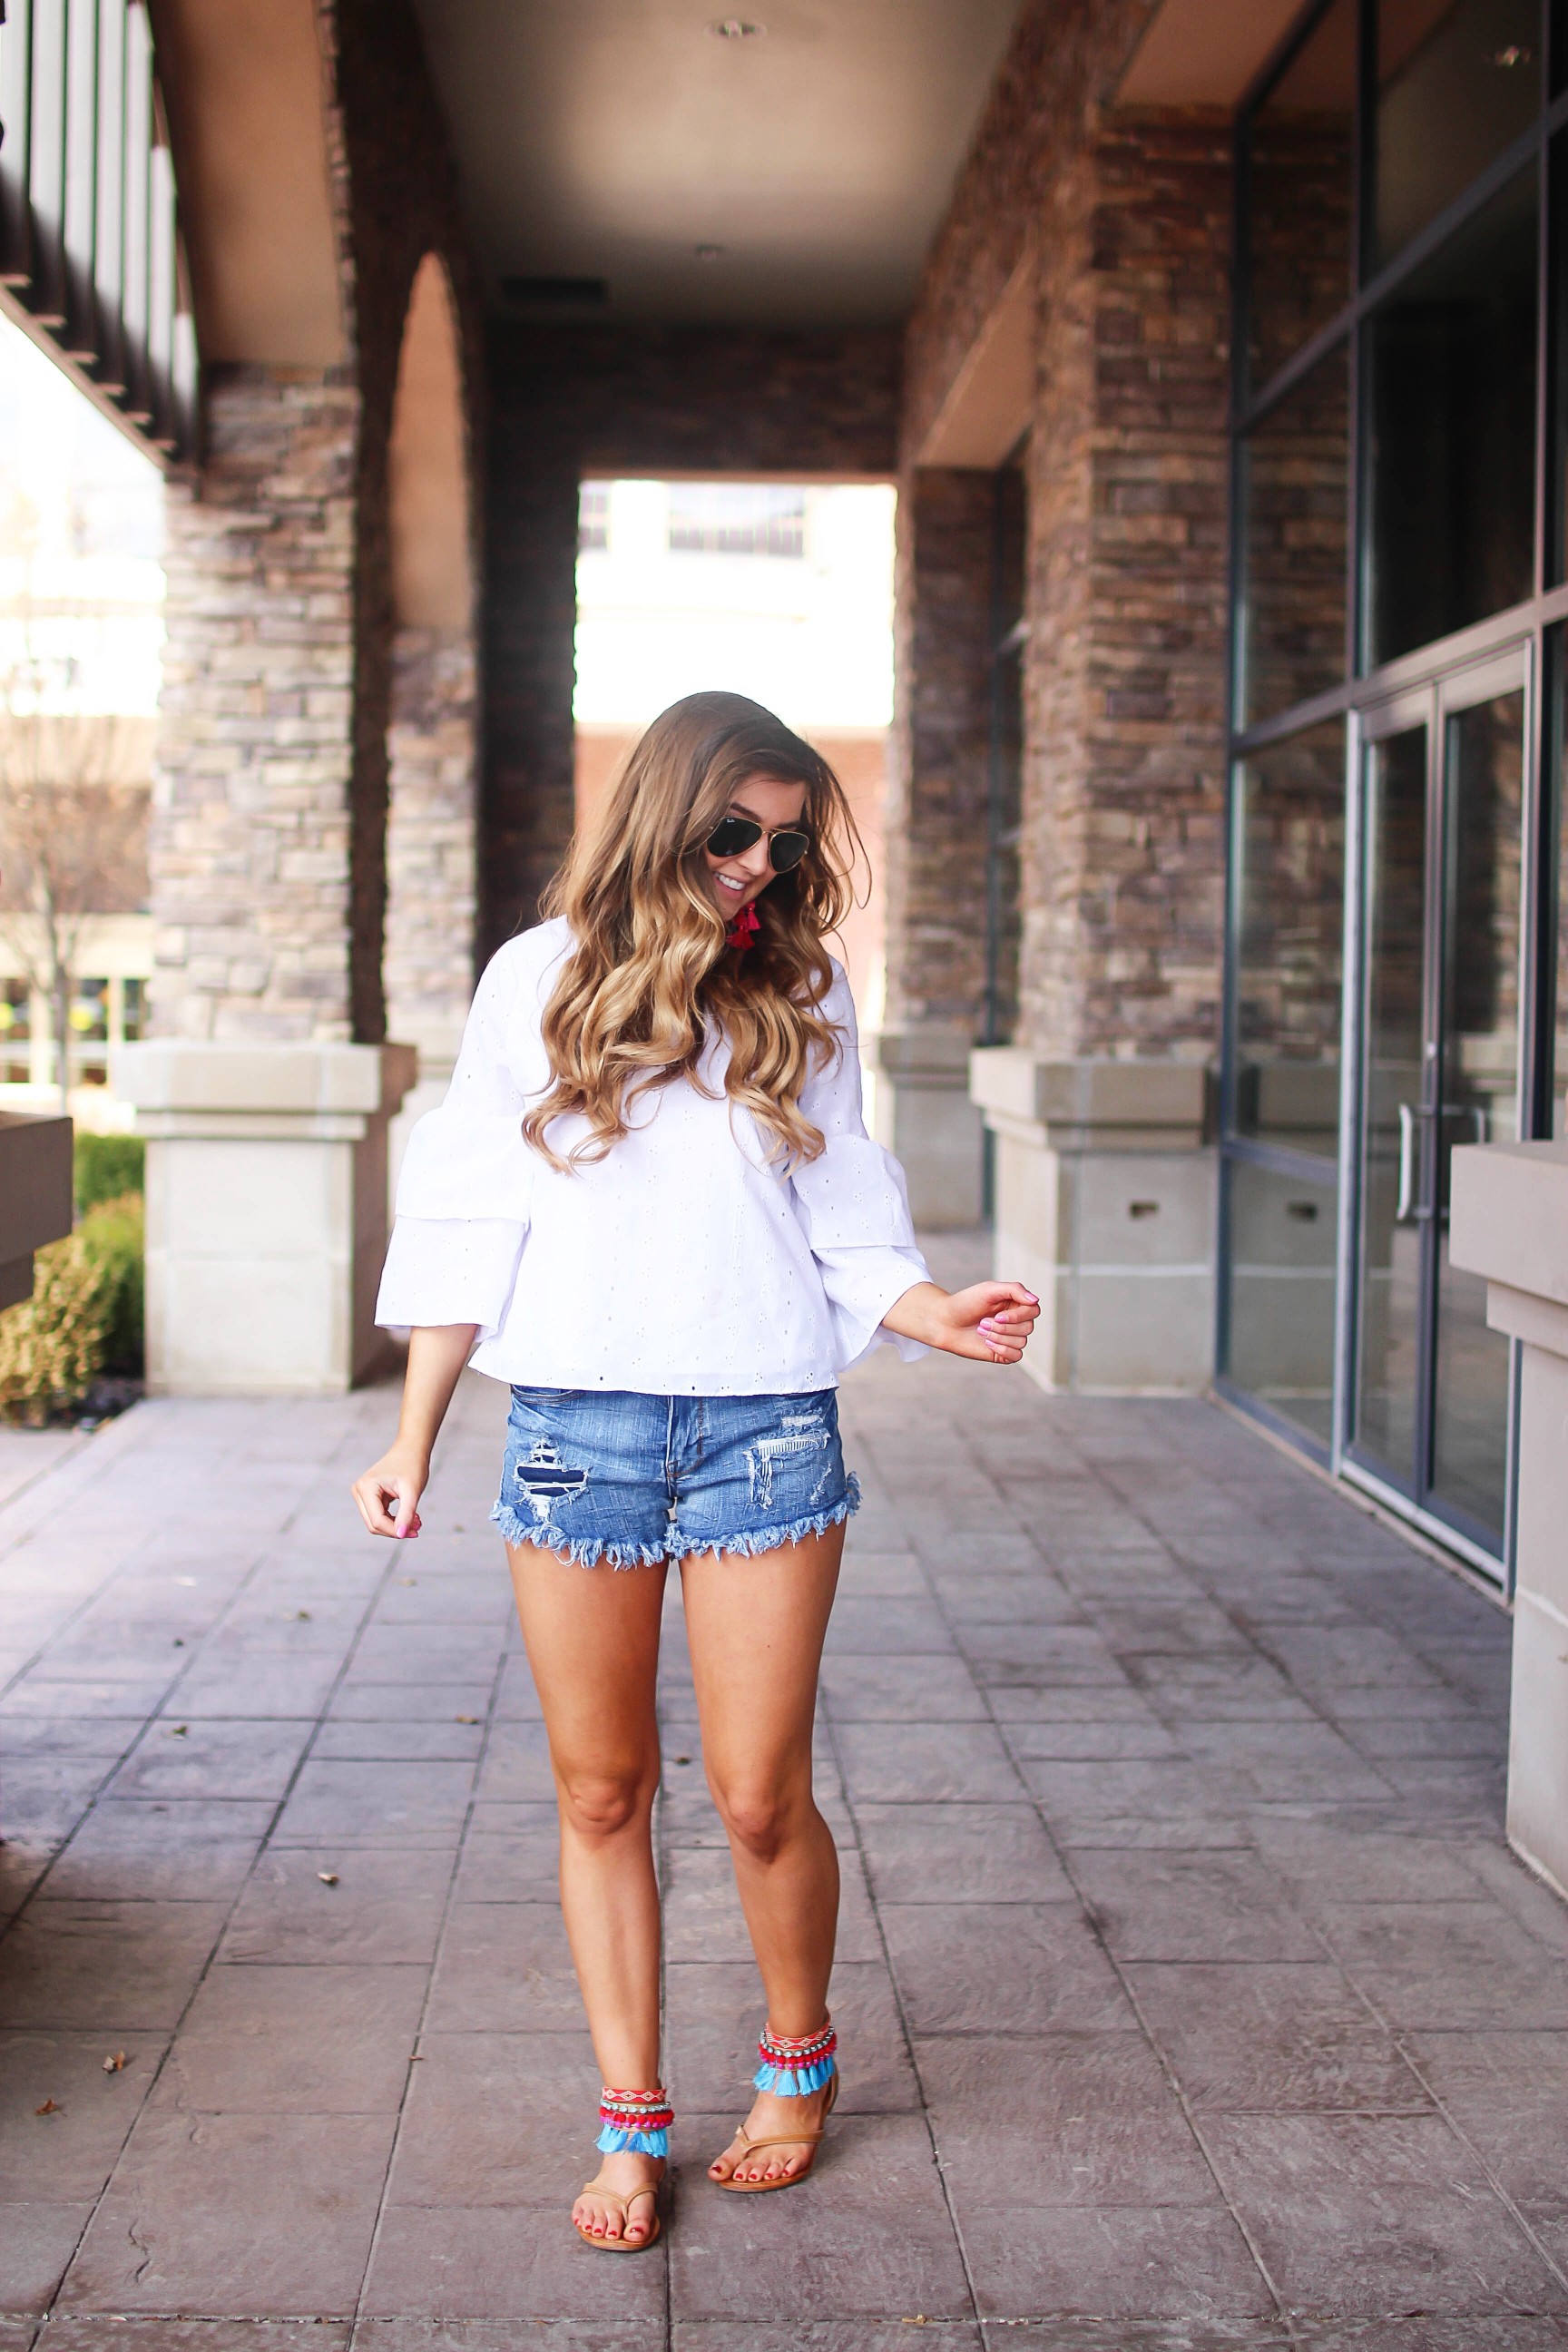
x=1189, y=1996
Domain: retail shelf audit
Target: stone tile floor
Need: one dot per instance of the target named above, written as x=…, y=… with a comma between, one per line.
x=1190, y=1998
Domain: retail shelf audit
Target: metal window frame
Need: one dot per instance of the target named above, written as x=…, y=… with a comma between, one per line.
x=1539, y=628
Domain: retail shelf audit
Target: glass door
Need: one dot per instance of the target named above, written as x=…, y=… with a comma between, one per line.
x=1440, y=914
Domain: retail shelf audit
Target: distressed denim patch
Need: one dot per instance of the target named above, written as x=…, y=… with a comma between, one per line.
x=625, y=1479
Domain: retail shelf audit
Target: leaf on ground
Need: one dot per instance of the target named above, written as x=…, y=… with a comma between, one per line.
x=115, y=2063
x=408, y=1580
x=299, y=1616
x=465, y=1718
x=50, y=2108
x=179, y=1731
x=328, y=1877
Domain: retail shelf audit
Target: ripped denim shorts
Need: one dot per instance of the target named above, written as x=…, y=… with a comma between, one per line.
x=627, y=1479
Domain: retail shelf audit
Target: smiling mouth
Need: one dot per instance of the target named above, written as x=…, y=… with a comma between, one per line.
x=725, y=883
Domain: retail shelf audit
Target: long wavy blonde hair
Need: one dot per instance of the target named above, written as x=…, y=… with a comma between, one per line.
x=650, y=976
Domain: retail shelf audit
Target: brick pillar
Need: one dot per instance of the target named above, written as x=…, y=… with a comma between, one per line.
x=266, y=1090
x=254, y=817
x=430, y=840
x=936, y=840
x=1105, y=1174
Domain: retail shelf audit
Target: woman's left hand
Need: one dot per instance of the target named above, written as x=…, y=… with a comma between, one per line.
x=990, y=1321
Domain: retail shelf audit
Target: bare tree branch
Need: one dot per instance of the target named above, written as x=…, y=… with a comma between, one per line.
x=73, y=829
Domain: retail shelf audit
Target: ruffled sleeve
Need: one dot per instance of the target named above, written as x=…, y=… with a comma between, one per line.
x=852, y=1203
x=463, y=1193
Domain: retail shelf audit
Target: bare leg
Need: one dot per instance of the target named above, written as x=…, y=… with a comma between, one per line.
x=756, y=1629
x=592, y=1636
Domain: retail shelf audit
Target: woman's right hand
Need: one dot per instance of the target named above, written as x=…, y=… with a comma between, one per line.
x=387, y=1496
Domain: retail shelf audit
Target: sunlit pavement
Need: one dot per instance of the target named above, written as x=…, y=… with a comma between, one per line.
x=1188, y=1994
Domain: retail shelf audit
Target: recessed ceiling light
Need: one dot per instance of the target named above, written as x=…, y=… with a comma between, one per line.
x=735, y=28
x=709, y=252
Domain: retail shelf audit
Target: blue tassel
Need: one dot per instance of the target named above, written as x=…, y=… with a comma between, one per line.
x=795, y=2082
x=612, y=2140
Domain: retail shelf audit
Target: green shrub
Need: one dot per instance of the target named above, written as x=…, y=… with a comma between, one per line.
x=107, y=1166
x=84, y=1318
x=52, y=1345
x=115, y=1235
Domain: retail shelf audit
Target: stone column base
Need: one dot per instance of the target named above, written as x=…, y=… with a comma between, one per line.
x=1508, y=1221
x=1105, y=1205
x=35, y=1195
x=266, y=1211
x=925, y=1119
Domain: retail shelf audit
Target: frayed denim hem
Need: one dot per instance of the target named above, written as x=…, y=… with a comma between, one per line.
x=584, y=1551
x=592, y=1552
x=753, y=1541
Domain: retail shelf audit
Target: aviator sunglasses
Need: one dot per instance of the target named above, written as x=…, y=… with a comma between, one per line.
x=734, y=834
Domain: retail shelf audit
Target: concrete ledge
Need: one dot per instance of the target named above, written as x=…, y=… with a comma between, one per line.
x=1509, y=1216
x=925, y=1119
x=1105, y=1206
x=175, y=1074
x=1508, y=1222
x=1012, y=1083
x=266, y=1211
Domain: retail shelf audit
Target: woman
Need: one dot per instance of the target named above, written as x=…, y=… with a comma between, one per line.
x=651, y=1199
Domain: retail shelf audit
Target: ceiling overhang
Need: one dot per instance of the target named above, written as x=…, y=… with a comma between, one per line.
x=792, y=178
x=1205, y=52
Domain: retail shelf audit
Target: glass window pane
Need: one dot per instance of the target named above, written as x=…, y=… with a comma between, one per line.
x=1485, y=768
x=1452, y=498
x=1457, y=81
x=1392, y=1078
x=1294, y=493
x=1300, y=149
x=1557, y=650
x=1280, y=1327
x=1290, y=915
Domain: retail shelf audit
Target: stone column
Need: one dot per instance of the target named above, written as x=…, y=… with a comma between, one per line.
x=430, y=862
x=1123, y=846
x=1105, y=1206
x=266, y=1211
x=1508, y=1221
x=265, y=1089
x=936, y=842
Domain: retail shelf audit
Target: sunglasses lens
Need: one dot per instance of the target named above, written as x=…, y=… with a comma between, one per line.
x=732, y=835
x=787, y=849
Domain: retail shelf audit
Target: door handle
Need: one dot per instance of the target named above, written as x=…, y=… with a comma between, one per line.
x=1407, y=1209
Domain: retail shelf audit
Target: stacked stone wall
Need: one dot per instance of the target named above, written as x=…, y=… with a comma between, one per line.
x=939, y=783
x=430, y=839
x=269, y=853
x=252, y=792
x=565, y=402
x=1128, y=219
x=1123, y=851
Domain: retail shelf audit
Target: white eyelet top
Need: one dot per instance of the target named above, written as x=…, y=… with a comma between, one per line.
x=682, y=1264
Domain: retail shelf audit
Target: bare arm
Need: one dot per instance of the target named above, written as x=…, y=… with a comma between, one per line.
x=387, y=1496
x=991, y=1321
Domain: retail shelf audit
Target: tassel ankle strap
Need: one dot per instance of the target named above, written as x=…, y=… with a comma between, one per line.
x=792, y=2070
x=635, y=2120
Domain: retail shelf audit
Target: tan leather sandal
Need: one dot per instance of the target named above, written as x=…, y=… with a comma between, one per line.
x=623, y=2244
x=812, y=2139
